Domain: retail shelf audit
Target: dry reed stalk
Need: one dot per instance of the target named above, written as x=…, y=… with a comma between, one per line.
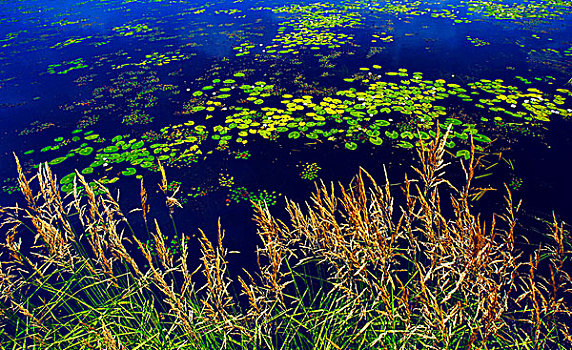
x=164, y=257
x=276, y=240
x=188, y=285
x=218, y=299
x=144, y=206
x=250, y=291
x=25, y=185
x=171, y=201
x=178, y=306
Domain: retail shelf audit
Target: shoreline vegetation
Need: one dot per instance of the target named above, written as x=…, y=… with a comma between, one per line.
x=351, y=270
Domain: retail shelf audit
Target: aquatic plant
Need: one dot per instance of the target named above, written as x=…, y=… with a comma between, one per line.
x=353, y=270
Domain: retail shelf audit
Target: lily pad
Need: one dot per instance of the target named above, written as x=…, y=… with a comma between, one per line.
x=85, y=151
x=68, y=178
x=463, y=153
x=352, y=146
x=91, y=137
x=294, y=135
x=376, y=140
x=129, y=171
x=482, y=138
x=57, y=160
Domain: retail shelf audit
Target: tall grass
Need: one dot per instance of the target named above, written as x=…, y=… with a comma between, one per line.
x=353, y=269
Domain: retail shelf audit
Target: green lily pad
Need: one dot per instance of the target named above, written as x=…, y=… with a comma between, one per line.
x=68, y=178
x=67, y=188
x=91, y=137
x=129, y=171
x=352, y=146
x=294, y=135
x=57, y=160
x=463, y=153
x=405, y=144
x=376, y=140
x=392, y=135
x=137, y=145
x=482, y=138
x=85, y=151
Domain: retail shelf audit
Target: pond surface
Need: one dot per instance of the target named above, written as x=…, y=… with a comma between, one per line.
x=256, y=100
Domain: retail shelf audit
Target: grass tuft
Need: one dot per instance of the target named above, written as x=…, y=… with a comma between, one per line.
x=358, y=266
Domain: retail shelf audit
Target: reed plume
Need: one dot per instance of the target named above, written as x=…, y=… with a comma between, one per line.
x=362, y=265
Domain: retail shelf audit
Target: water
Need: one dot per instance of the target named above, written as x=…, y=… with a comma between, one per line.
x=171, y=80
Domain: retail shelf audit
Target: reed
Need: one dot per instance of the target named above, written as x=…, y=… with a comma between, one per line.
x=358, y=266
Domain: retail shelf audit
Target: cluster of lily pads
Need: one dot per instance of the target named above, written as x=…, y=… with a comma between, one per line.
x=534, y=104
x=9, y=185
x=234, y=193
x=383, y=37
x=67, y=66
x=260, y=197
x=155, y=59
x=129, y=30
x=70, y=42
x=173, y=246
x=35, y=127
x=376, y=106
x=372, y=108
x=10, y=38
x=137, y=117
x=309, y=170
x=545, y=10
x=313, y=26
x=131, y=95
x=477, y=42
x=229, y=12
x=467, y=11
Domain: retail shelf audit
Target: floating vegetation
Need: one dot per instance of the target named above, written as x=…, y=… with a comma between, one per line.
x=70, y=42
x=129, y=30
x=155, y=59
x=226, y=180
x=313, y=27
x=9, y=186
x=309, y=170
x=67, y=66
x=240, y=101
x=35, y=127
x=137, y=117
x=241, y=194
x=477, y=42
x=364, y=112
